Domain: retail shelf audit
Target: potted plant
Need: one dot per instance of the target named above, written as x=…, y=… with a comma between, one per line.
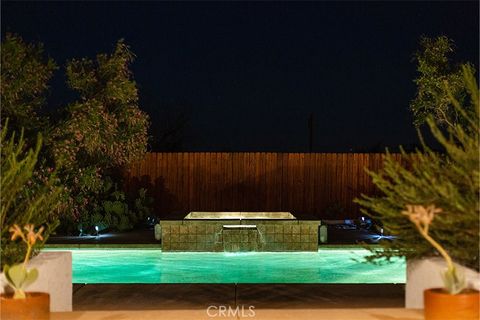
x=454, y=300
x=21, y=305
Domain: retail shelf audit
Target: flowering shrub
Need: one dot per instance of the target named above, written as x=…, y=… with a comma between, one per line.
x=105, y=127
x=104, y=130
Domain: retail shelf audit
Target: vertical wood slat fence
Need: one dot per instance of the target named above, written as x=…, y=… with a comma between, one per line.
x=306, y=184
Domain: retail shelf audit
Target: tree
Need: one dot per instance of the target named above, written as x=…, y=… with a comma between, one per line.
x=24, y=75
x=435, y=69
x=28, y=195
x=105, y=126
x=103, y=131
x=449, y=180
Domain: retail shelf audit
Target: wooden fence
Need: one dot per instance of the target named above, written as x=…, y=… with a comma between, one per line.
x=320, y=185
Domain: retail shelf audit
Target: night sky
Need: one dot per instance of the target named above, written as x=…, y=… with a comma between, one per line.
x=248, y=75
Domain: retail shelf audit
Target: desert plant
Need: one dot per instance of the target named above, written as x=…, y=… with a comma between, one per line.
x=422, y=218
x=18, y=276
x=115, y=211
x=27, y=195
x=121, y=214
x=143, y=205
x=448, y=179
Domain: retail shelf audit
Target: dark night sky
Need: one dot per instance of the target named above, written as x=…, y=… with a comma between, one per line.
x=249, y=74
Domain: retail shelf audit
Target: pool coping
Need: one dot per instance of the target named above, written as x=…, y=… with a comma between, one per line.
x=152, y=246
x=261, y=313
x=104, y=245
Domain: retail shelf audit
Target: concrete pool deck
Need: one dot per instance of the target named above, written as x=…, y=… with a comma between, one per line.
x=279, y=302
x=104, y=297
x=263, y=314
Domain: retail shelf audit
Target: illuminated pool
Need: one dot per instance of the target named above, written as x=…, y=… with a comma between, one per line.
x=155, y=266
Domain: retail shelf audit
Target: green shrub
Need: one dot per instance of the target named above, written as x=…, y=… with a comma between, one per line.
x=25, y=74
x=143, y=205
x=115, y=211
x=449, y=180
x=28, y=195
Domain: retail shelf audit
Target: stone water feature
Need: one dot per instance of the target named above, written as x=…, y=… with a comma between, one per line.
x=239, y=231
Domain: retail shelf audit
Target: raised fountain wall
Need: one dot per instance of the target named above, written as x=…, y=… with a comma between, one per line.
x=256, y=233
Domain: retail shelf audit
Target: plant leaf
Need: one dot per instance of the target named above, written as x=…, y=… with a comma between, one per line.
x=32, y=275
x=17, y=275
x=7, y=276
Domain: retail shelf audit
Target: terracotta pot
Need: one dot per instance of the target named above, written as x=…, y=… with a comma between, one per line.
x=440, y=305
x=36, y=306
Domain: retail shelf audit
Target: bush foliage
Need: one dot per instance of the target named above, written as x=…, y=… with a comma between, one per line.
x=93, y=137
x=29, y=194
x=450, y=180
x=25, y=74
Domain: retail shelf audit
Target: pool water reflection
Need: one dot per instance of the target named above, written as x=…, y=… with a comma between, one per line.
x=155, y=266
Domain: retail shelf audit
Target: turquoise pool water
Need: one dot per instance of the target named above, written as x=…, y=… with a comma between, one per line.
x=155, y=266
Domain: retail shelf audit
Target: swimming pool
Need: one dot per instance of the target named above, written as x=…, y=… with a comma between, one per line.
x=155, y=266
